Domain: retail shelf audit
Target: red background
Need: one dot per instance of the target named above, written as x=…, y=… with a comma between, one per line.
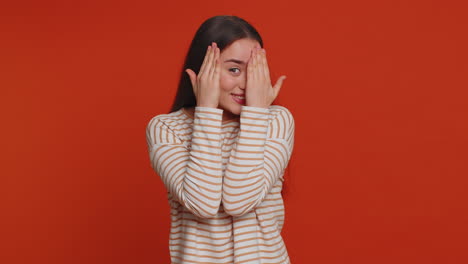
x=377, y=88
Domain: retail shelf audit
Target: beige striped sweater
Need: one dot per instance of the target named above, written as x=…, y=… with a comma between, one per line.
x=224, y=181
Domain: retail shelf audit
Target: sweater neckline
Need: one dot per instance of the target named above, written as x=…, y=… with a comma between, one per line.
x=191, y=117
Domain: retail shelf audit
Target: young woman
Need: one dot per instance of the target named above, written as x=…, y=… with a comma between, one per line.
x=222, y=150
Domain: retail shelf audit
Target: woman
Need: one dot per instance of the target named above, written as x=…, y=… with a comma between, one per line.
x=222, y=150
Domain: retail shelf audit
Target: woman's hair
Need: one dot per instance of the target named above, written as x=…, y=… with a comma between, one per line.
x=223, y=30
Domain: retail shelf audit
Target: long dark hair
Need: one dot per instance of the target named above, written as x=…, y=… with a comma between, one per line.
x=223, y=30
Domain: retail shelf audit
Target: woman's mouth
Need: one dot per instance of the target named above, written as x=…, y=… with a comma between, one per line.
x=240, y=99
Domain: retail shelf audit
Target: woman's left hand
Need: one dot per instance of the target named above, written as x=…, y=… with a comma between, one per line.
x=259, y=91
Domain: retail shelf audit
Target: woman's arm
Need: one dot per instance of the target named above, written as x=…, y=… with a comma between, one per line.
x=193, y=177
x=259, y=158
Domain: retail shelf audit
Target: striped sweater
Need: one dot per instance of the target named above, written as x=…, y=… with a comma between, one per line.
x=224, y=181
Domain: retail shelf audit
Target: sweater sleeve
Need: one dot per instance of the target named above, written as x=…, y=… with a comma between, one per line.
x=193, y=176
x=258, y=160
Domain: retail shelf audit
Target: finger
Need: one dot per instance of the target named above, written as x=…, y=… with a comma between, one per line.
x=254, y=64
x=202, y=68
x=192, y=75
x=266, y=69
x=250, y=66
x=218, y=66
x=260, y=72
x=278, y=84
x=249, y=76
x=209, y=61
x=217, y=72
x=206, y=68
x=214, y=61
x=255, y=59
x=193, y=79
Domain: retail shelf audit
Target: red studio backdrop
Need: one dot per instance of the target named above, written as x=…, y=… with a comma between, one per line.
x=378, y=90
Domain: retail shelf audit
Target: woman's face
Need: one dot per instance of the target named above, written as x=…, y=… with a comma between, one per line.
x=233, y=78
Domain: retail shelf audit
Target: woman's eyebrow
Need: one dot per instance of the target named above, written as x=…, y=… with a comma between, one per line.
x=235, y=61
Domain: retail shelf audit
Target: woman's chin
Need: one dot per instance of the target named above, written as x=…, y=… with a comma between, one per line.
x=236, y=110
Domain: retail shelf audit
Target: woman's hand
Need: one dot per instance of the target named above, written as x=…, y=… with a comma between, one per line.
x=259, y=92
x=206, y=84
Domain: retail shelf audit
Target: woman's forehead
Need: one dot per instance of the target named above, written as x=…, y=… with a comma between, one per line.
x=239, y=49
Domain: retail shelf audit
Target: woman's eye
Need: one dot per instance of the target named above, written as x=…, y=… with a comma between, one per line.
x=234, y=70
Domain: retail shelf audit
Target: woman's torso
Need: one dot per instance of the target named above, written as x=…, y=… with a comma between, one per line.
x=251, y=238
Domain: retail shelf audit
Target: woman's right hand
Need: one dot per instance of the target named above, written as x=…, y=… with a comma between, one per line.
x=206, y=83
